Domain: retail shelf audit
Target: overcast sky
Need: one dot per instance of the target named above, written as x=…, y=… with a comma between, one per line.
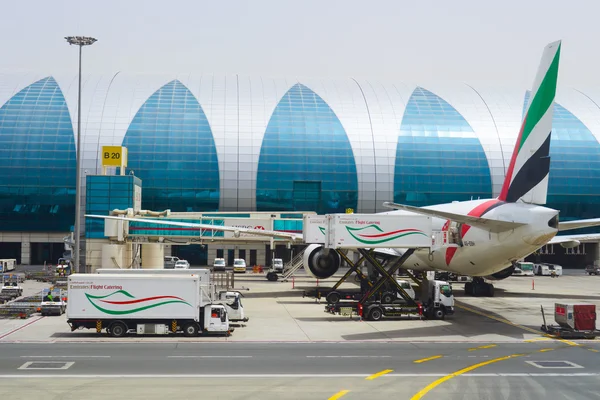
x=458, y=40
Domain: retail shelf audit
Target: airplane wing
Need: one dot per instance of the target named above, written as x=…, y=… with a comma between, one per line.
x=580, y=223
x=208, y=227
x=574, y=240
x=492, y=225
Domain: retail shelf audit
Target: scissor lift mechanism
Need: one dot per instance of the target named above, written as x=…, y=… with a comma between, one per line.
x=375, y=299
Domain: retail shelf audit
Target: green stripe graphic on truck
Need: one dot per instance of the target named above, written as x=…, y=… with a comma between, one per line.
x=145, y=302
x=380, y=236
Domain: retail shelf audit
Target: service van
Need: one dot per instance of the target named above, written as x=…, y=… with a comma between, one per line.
x=239, y=265
x=277, y=265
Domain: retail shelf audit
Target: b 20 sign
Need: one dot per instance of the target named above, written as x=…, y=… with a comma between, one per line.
x=114, y=156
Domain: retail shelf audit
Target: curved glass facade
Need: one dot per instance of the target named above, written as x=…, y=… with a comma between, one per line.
x=574, y=180
x=306, y=162
x=210, y=142
x=438, y=157
x=37, y=167
x=171, y=148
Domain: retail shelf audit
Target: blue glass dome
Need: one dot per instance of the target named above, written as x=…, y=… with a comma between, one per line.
x=438, y=157
x=38, y=164
x=172, y=150
x=306, y=162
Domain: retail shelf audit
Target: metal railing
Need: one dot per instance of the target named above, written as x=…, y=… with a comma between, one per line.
x=294, y=265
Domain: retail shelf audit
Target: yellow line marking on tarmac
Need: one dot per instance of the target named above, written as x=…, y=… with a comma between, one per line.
x=438, y=382
x=537, y=340
x=339, y=394
x=594, y=350
x=422, y=360
x=380, y=373
x=489, y=346
x=505, y=321
x=544, y=350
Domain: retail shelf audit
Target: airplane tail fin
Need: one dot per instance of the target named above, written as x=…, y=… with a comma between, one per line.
x=527, y=176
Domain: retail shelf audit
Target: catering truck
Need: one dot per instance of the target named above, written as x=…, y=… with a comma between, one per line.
x=143, y=304
x=232, y=300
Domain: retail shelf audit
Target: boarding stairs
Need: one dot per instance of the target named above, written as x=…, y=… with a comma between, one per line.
x=292, y=266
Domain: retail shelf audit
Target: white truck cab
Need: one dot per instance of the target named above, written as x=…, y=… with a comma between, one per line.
x=439, y=299
x=217, y=320
x=233, y=302
x=407, y=288
x=277, y=265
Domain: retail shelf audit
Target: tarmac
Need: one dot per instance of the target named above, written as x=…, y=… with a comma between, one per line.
x=290, y=348
x=279, y=313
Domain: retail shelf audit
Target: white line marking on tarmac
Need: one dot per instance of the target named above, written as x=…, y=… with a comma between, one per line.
x=65, y=356
x=28, y=365
x=209, y=356
x=348, y=356
x=270, y=376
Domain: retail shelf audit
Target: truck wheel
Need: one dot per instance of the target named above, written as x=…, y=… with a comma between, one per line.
x=118, y=329
x=190, y=329
x=375, y=314
x=387, y=298
x=469, y=289
x=333, y=298
x=439, y=314
x=272, y=277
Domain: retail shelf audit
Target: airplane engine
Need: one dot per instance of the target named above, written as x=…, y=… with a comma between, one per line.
x=505, y=273
x=570, y=244
x=321, y=263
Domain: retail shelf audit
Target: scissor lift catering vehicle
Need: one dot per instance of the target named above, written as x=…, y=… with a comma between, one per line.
x=364, y=233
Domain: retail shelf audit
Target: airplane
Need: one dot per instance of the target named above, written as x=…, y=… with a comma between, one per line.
x=484, y=238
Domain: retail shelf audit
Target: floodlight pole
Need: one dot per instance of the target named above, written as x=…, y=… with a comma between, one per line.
x=79, y=41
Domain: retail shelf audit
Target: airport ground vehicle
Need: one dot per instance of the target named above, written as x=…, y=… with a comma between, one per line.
x=277, y=265
x=546, y=269
x=145, y=303
x=239, y=265
x=52, y=302
x=219, y=264
x=170, y=261
x=386, y=295
x=232, y=300
x=7, y=264
x=575, y=321
x=437, y=301
x=541, y=270
x=523, y=269
x=11, y=285
x=182, y=264
x=592, y=270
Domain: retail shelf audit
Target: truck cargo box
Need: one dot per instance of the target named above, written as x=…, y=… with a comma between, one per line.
x=101, y=296
x=580, y=316
x=368, y=230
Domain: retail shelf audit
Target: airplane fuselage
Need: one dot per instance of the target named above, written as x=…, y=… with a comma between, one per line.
x=480, y=252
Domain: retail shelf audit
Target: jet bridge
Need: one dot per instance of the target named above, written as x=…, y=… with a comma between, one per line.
x=122, y=240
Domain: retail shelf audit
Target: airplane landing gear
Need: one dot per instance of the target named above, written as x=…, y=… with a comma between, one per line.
x=479, y=288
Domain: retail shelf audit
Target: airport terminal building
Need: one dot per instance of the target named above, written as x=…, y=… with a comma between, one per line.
x=202, y=142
